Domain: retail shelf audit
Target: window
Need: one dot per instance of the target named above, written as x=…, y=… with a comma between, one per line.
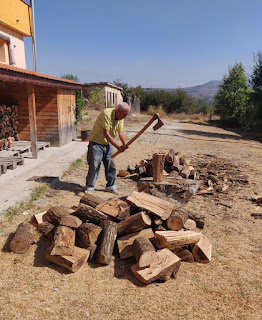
x=2, y=52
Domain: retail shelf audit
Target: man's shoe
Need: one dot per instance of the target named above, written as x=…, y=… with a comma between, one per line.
x=88, y=191
x=115, y=191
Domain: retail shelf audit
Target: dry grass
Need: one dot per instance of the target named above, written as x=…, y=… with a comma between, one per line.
x=230, y=287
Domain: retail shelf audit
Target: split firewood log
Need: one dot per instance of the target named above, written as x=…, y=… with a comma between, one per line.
x=64, y=242
x=144, y=252
x=176, y=239
x=134, y=223
x=177, y=219
x=91, y=214
x=202, y=250
x=158, y=161
x=184, y=254
x=87, y=234
x=115, y=208
x=47, y=229
x=190, y=225
x=55, y=214
x=24, y=236
x=107, y=242
x=70, y=221
x=72, y=262
x=91, y=200
x=125, y=243
x=168, y=263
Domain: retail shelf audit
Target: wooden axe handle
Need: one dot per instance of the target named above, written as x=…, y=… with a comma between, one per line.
x=136, y=136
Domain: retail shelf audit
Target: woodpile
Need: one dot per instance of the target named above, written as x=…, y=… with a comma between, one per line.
x=8, y=125
x=156, y=233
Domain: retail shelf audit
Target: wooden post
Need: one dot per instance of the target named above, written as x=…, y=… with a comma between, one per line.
x=32, y=120
x=158, y=162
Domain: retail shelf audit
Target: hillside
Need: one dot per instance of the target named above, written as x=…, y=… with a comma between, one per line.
x=206, y=90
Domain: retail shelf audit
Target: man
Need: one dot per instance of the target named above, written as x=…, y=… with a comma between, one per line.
x=107, y=125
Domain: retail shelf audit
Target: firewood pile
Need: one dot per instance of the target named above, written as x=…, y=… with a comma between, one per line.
x=8, y=125
x=216, y=175
x=155, y=232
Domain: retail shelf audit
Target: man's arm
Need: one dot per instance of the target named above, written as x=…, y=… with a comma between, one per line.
x=111, y=140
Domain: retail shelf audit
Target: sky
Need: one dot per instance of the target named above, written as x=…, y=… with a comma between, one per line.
x=152, y=43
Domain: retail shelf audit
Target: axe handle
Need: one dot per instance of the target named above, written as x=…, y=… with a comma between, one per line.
x=136, y=136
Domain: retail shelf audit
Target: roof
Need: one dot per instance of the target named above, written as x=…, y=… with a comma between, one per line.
x=109, y=84
x=13, y=74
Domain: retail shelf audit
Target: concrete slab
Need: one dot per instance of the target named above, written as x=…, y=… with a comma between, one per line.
x=53, y=161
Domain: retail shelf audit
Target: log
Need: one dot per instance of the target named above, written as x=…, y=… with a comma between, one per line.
x=158, y=162
x=170, y=156
x=107, y=242
x=47, y=229
x=176, y=239
x=71, y=263
x=168, y=263
x=55, y=214
x=190, y=225
x=144, y=252
x=184, y=254
x=38, y=219
x=149, y=203
x=89, y=213
x=116, y=208
x=202, y=250
x=91, y=200
x=177, y=219
x=87, y=234
x=64, y=242
x=125, y=243
x=70, y=221
x=134, y=223
x=197, y=217
x=24, y=236
x=185, y=172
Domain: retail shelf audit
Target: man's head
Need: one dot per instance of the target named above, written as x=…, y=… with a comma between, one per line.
x=122, y=110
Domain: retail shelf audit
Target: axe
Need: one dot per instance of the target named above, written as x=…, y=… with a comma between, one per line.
x=158, y=125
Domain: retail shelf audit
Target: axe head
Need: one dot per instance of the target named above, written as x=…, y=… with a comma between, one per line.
x=159, y=123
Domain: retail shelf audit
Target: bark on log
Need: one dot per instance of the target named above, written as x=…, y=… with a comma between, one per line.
x=71, y=263
x=107, y=242
x=177, y=219
x=87, y=234
x=168, y=263
x=47, y=229
x=176, y=239
x=91, y=200
x=198, y=218
x=134, y=223
x=55, y=214
x=24, y=236
x=155, y=205
x=144, y=252
x=184, y=254
x=70, y=221
x=158, y=162
x=125, y=243
x=90, y=213
x=64, y=242
x=202, y=250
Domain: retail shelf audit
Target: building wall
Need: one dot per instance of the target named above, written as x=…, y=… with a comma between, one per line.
x=17, y=15
x=19, y=49
x=112, y=95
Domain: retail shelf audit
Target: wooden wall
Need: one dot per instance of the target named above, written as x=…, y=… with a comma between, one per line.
x=55, y=109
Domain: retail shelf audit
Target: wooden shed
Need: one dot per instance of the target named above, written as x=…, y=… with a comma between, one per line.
x=45, y=105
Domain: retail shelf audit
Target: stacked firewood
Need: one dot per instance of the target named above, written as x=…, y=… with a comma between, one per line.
x=155, y=232
x=8, y=122
x=6, y=143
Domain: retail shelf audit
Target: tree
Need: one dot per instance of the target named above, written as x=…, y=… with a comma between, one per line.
x=256, y=82
x=232, y=98
x=124, y=86
x=96, y=100
x=78, y=96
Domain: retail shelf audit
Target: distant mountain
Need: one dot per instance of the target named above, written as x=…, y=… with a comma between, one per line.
x=205, y=91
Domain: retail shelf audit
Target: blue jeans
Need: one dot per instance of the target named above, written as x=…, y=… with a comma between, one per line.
x=97, y=154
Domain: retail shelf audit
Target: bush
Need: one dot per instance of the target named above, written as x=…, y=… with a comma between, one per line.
x=159, y=109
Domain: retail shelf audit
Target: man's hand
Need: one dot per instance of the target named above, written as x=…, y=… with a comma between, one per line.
x=122, y=148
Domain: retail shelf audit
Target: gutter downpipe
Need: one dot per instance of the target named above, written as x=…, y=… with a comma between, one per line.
x=33, y=37
x=10, y=49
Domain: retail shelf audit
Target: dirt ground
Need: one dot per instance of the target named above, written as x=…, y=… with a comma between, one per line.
x=230, y=287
